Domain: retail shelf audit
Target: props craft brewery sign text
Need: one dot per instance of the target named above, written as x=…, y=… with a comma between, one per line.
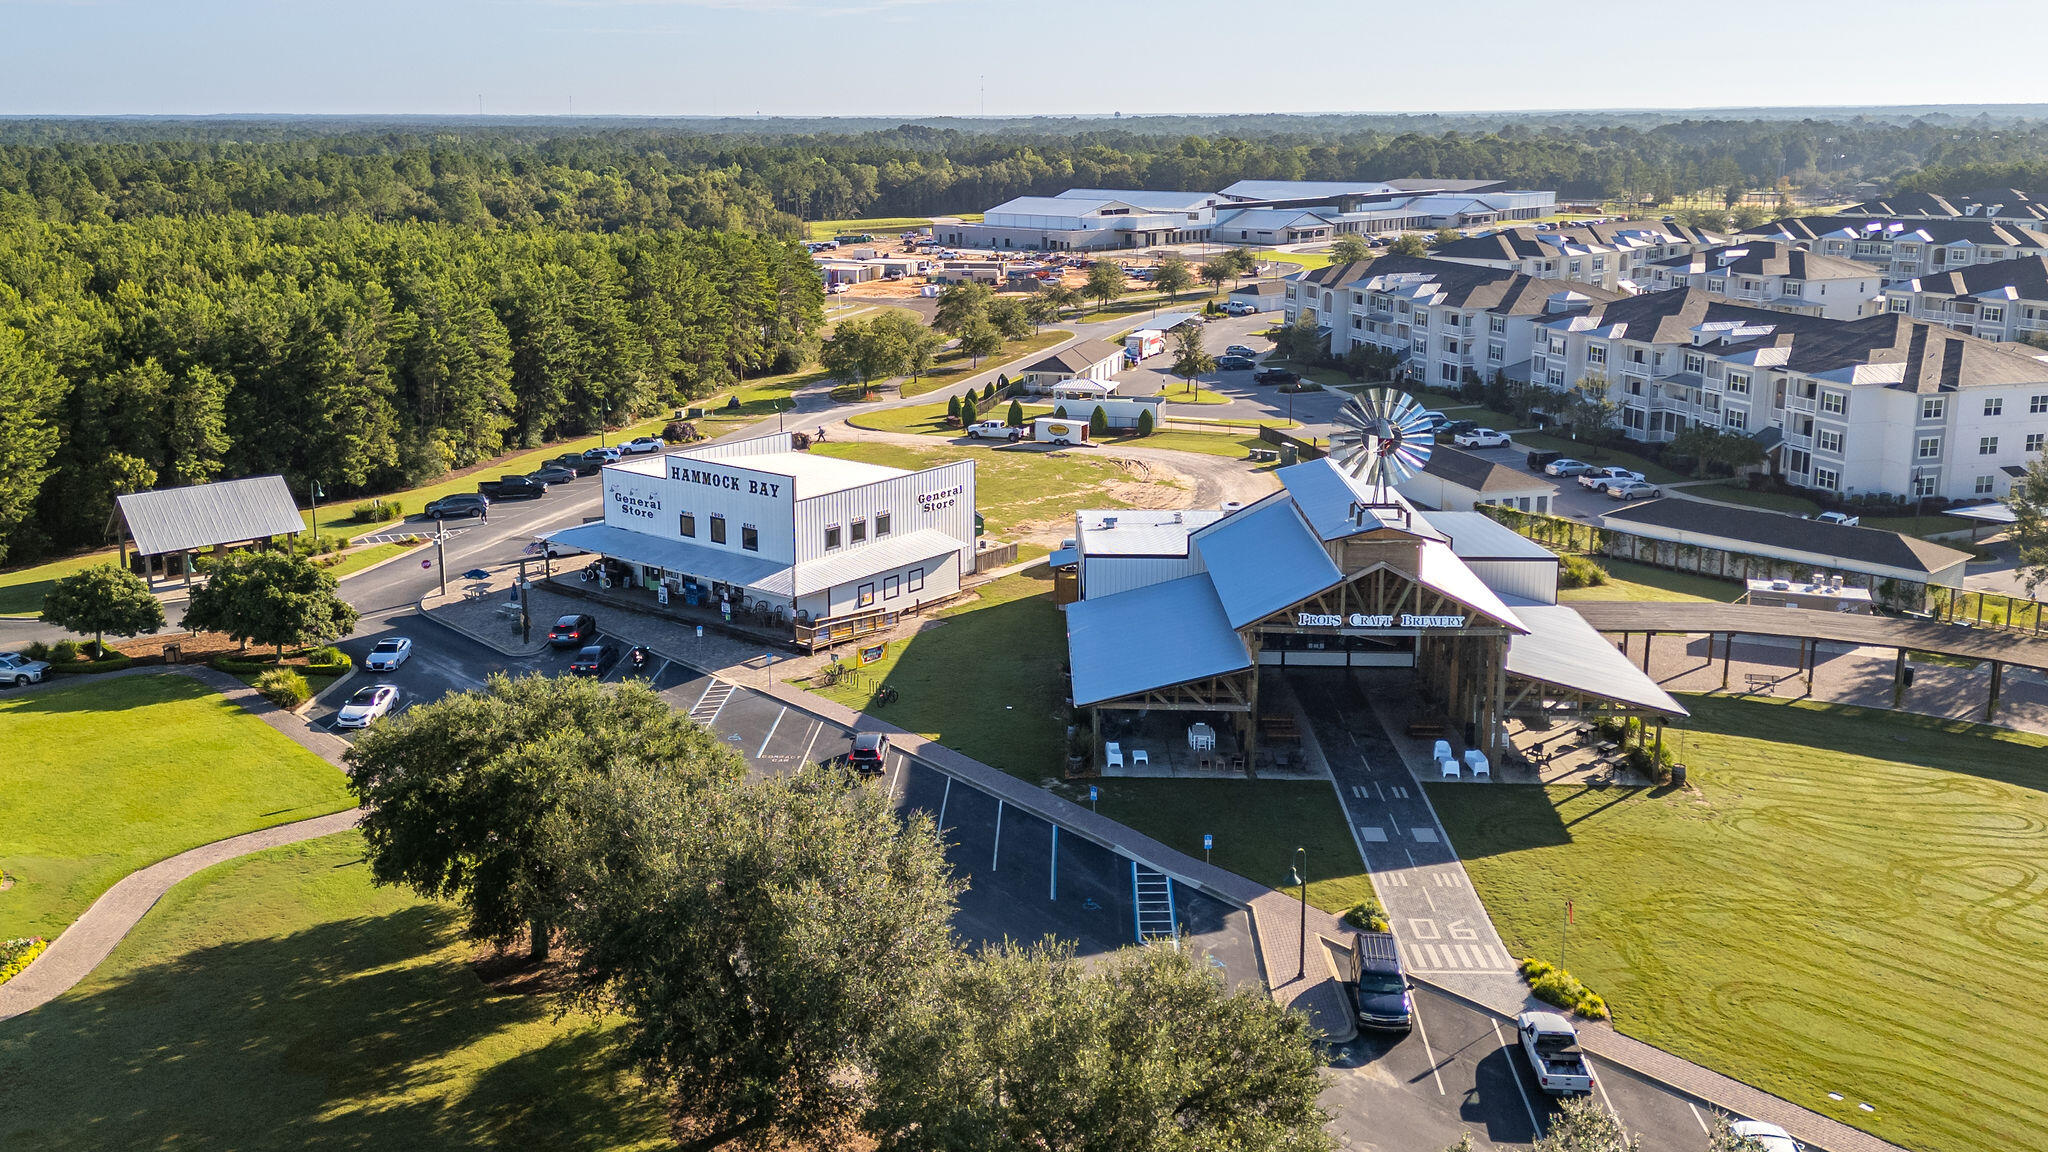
x=1368, y=620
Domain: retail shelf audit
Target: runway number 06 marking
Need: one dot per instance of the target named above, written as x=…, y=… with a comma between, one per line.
x=1423, y=928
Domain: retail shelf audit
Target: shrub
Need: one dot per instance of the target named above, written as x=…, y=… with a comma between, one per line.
x=1579, y=572
x=16, y=955
x=63, y=651
x=376, y=511
x=988, y=391
x=329, y=659
x=111, y=662
x=1554, y=985
x=1368, y=915
x=1098, y=423
x=953, y=406
x=284, y=687
x=1145, y=422
x=234, y=666
x=36, y=650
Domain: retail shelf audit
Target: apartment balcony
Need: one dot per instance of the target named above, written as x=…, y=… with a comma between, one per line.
x=1797, y=440
x=1796, y=403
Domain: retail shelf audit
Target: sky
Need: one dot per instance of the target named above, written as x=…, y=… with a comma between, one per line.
x=998, y=57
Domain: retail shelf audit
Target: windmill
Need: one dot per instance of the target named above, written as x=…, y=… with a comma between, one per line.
x=1385, y=439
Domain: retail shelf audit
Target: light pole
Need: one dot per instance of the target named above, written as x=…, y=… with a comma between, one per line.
x=441, y=553
x=1301, y=878
x=313, y=490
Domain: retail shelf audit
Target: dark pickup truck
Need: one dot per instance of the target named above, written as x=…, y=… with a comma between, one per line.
x=513, y=488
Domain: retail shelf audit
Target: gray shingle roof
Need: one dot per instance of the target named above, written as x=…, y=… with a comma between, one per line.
x=1077, y=357
x=1790, y=534
x=1475, y=474
x=224, y=512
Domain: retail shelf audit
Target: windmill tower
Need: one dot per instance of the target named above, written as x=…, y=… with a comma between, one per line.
x=1385, y=439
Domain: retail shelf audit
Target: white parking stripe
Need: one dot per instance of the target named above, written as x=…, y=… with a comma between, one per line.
x=1699, y=1120
x=1422, y=1030
x=1600, y=1082
x=763, y=750
x=1515, y=1072
x=996, y=842
x=945, y=796
x=817, y=726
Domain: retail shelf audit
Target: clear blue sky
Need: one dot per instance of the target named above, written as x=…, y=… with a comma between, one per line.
x=930, y=57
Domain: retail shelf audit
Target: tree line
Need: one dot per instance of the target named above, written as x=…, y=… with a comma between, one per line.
x=361, y=355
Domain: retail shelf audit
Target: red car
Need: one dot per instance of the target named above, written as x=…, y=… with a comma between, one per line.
x=573, y=632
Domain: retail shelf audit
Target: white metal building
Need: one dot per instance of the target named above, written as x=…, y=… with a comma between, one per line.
x=755, y=520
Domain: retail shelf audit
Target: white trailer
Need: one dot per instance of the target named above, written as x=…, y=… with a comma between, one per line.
x=1059, y=430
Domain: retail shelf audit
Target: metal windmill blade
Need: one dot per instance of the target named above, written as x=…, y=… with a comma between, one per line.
x=1385, y=438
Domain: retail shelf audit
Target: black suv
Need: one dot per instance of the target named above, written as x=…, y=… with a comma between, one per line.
x=1379, y=989
x=1539, y=460
x=578, y=463
x=1234, y=363
x=1275, y=376
x=460, y=504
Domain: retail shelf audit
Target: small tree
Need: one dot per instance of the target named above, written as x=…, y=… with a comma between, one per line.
x=1173, y=276
x=2028, y=500
x=1105, y=281
x=1242, y=262
x=1346, y=249
x=1041, y=309
x=979, y=338
x=988, y=391
x=1448, y=236
x=1009, y=317
x=1189, y=359
x=953, y=407
x=1215, y=272
x=1408, y=244
x=103, y=599
x=1060, y=297
x=1098, y=423
x=1015, y=418
x=961, y=303
x=1582, y=1125
x=1591, y=411
x=274, y=598
x=969, y=411
x=1145, y=423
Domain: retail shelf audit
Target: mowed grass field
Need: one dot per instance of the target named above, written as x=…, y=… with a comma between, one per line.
x=1627, y=580
x=1851, y=901
x=1257, y=824
x=281, y=1002
x=1014, y=488
x=100, y=779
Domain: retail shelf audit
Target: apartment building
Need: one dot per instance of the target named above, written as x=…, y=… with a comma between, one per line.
x=1999, y=205
x=1905, y=249
x=1448, y=321
x=2007, y=300
x=1884, y=404
x=1611, y=256
x=1771, y=274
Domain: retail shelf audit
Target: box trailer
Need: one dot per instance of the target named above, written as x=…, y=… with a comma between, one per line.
x=1144, y=342
x=1058, y=430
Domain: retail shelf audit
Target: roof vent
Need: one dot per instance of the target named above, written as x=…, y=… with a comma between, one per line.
x=1176, y=518
x=1109, y=521
x=1781, y=585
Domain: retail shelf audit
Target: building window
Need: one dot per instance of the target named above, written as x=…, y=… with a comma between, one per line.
x=917, y=580
x=892, y=587
x=1826, y=478
x=688, y=527
x=1447, y=372
x=1994, y=407
x=1596, y=353
x=2037, y=405
x=1790, y=287
x=881, y=524
x=1930, y=447
x=1923, y=485
x=1828, y=441
x=1736, y=419
x=1987, y=445
x=1984, y=485
x=1738, y=383
x=1835, y=402
x=1495, y=353
x=831, y=536
x=750, y=538
x=2036, y=441
x=1932, y=407
x=1899, y=304
x=860, y=531
x=1695, y=363
x=1991, y=315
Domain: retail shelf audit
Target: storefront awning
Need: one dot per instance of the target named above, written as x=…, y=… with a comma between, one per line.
x=713, y=564
x=1564, y=651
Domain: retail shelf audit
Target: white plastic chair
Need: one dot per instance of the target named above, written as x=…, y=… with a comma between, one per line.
x=1476, y=760
x=1138, y=756
x=1449, y=768
x=1442, y=751
x=1115, y=755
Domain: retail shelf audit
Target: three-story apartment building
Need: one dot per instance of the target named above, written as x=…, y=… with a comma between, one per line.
x=1775, y=275
x=2007, y=300
x=1905, y=249
x=1611, y=256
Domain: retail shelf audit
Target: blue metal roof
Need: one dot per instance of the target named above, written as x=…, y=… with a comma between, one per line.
x=1326, y=497
x=1264, y=559
x=1151, y=637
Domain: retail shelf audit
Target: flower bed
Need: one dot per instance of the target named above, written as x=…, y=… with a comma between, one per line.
x=16, y=955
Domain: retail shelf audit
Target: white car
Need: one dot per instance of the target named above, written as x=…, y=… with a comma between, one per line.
x=1842, y=518
x=18, y=671
x=1601, y=479
x=389, y=653
x=644, y=445
x=841, y=289
x=1769, y=1137
x=366, y=705
x=1632, y=490
x=1480, y=438
x=1567, y=467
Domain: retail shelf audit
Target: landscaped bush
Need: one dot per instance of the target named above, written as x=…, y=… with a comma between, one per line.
x=1579, y=572
x=16, y=955
x=36, y=650
x=111, y=662
x=376, y=511
x=235, y=666
x=1554, y=985
x=284, y=687
x=63, y=652
x=329, y=660
x=1368, y=915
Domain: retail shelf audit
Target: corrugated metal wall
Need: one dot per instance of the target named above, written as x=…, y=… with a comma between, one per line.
x=654, y=505
x=1107, y=575
x=940, y=498
x=1529, y=579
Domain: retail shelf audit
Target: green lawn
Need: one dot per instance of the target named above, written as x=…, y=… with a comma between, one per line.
x=1851, y=901
x=1227, y=444
x=1773, y=501
x=953, y=367
x=1627, y=580
x=881, y=227
x=363, y=558
x=1309, y=261
x=930, y=419
x=1657, y=473
x=282, y=1002
x=1257, y=825
x=988, y=682
x=104, y=778
x=1013, y=490
x=1131, y=305
x=22, y=589
x=1177, y=393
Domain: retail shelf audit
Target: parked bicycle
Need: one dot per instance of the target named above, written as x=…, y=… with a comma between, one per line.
x=886, y=696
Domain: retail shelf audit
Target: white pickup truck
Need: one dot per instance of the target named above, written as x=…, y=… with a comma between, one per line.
x=994, y=430
x=1552, y=1046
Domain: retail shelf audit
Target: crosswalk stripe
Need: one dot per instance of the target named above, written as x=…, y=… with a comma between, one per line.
x=1463, y=960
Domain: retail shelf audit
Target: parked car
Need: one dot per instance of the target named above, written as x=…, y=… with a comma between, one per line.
x=1769, y=1137
x=994, y=430
x=460, y=504
x=609, y=454
x=1480, y=438
x=1436, y=421
x=1552, y=1046
x=573, y=631
x=870, y=753
x=1379, y=988
x=512, y=488
x=1542, y=458
x=594, y=660
x=1632, y=490
x=1566, y=466
x=389, y=653
x=1456, y=426
x=1241, y=308
x=578, y=463
x=1241, y=350
x=1275, y=376
x=1600, y=479
x=17, y=671
x=366, y=705
x=552, y=474
x=642, y=445
x=1235, y=364
x=1842, y=518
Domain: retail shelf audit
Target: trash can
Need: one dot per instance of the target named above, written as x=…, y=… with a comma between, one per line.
x=1678, y=775
x=1289, y=455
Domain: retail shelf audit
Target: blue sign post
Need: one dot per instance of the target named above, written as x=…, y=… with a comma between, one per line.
x=1208, y=842
x=1093, y=792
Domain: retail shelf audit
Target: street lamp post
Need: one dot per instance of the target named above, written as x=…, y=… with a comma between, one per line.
x=441, y=553
x=1301, y=878
x=313, y=490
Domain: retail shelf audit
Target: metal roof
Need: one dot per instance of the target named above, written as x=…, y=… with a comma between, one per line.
x=1327, y=496
x=224, y=512
x=1563, y=650
x=1139, y=531
x=1263, y=560
x=718, y=564
x=845, y=565
x=1439, y=568
x=1477, y=536
x=1855, y=628
x=1151, y=637
x=1779, y=536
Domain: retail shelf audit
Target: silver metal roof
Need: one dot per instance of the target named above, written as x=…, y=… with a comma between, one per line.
x=1264, y=559
x=846, y=565
x=1562, y=649
x=1326, y=497
x=1477, y=536
x=224, y=512
x=1151, y=637
x=1139, y=531
x=696, y=559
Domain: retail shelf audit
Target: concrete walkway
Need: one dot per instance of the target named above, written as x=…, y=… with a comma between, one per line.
x=87, y=940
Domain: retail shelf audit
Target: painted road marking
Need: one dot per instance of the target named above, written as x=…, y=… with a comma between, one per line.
x=1053, y=885
x=1400, y=793
x=763, y=749
x=943, y=798
x=1396, y=879
x=1423, y=835
x=1358, y=790
x=1515, y=1071
x=996, y=842
x=1423, y=1030
x=1372, y=833
x=1448, y=880
x=818, y=726
x=1698, y=1119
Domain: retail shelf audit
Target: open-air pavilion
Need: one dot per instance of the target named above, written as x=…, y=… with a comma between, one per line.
x=180, y=522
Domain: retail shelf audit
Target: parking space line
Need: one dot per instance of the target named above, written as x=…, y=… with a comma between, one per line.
x=1053, y=886
x=763, y=750
x=996, y=842
x=1515, y=1073
x=709, y=685
x=1699, y=1119
x=1600, y=1082
x=944, y=797
x=896, y=781
x=1423, y=1030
